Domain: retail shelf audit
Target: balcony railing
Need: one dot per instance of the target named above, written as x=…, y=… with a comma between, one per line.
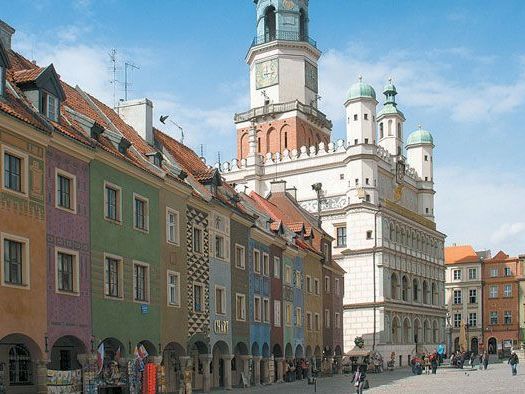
x=283, y=107
x=285, y=36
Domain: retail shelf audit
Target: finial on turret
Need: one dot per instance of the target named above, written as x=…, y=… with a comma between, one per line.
x=389, y=79
x=419, y=126
x=360, y=78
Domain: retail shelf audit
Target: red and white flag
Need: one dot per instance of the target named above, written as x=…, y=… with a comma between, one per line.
x=100, y=357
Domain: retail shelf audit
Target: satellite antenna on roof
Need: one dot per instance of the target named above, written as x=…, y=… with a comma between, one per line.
x=131, y=66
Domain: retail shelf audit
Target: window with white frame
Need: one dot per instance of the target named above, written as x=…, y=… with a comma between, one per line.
x=140, y=282
x=309, y=321
x=256, y=261
x=298, y=316
x=173, y=288
x=507, y=271
x=327, y=318
x=277, y=313
x=473, y=296
x=457, y=297
x=266, y=264
x=298, y=279
x=50, y=106
x=507, y=317
x=493, y=291
x=67, y=273
x=336, y=286
x=337, y=320
x=266, y=310
x=65, y=185
x=308, y=283
x=457, y=320
x=197, y=240
x=240, y=256
x=472, y=319
x=220, y=300
x=341, y=236
x=456, y=274
x=113, y=276
x=327, y=284
x=257, y=308
x=494, y=272
x=15, y=171
x=507, y=290
x=221, y=237
x=15, y=260
x=219, y=246
x=288, y=275
x=198, y=297
x=493, y=317
x=317, y=321
x=472, y=273
x=172, y=226
x=316, y=286
x=112, y=202
x=240, y=306
x=288, y=314
x=276, y=267
x=140, y=212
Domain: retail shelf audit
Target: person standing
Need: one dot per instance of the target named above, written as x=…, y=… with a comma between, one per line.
x=514, y=361
x=434, y=363
x=485, y=360
x=472, y=359
x=359, y=379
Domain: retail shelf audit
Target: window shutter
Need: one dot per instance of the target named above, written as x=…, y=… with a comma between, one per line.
x=227, y=249
x=106, y=278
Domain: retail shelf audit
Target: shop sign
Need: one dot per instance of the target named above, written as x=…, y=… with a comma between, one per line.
x=144, y=308
x=221, y=326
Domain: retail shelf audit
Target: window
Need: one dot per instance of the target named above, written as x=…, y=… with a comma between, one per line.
x=240, y=256
x=288, y=313
x=326, y=250
x=507, y=290
x=493, y=292
x=493, y=317
x=493, y=272
x=198, y=297
x=20, y=366
x=366, y=116
x=457, y=274
x=15, y=260
x=276, y=267
x=197, y=239
x=140, y=212
x=336, y=286
x=317, y=321
x=288, y=275
x=67, y=278
x=15, y=170
x=472, y=273
x=327, y=318
x=220, y=300
x=316, y=286
x=457, y=297
x=473, y=296
x=112, y=203
x=308, y=284
x=140, y=282
x=257, y=308
x=50, y=106
x=355, y=116
x=426, y=158
x=298, y=316
x=173, y=288
x=172, y=226
x=277, y=313
x=369, y=234
x=507, y=317
x=219, y=247
x=457, y=320
x=337, y=320
x=113, y=277
x=341, y=236
x=473, y=319
x=266, y=264
x=65, y=191
x=309, y=321
x=298, y=280
x=240, y=306
x=327, y=284
x=266, y=310
x=257, y=261
x=381, y=131
x=508, y=271
x=341, y=176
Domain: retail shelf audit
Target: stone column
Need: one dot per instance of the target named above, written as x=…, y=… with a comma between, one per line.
x=266, y=371
x=257, y=370
x=180, y=378
x=330, y=364
x=227, y=359
x=86, y=361
x=339, y=365
x=205, y=360
x=280, y=370
x=245, y=367
x=41, y=376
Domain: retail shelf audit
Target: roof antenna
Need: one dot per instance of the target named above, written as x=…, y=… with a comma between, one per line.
x=163, y=121
x=219, y=158
x=126, y=83
x=113, y=57
x=202, y=150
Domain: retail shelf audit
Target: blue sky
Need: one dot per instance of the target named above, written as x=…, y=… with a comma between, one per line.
x=459, y=67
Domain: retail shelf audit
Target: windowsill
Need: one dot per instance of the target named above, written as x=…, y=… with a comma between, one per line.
x=243, y=320
x=141, y=230
x=15, y=192
x=68, y=293
x=220, y=313
x=113, y=221
x=144, y=302
x=114, y=298
x=340, y=246
x=173, y=243
x=21, y=286
x=65, y=209
x=241, y=267
x=173, y=305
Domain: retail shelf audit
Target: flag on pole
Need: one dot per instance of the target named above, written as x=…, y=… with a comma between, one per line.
x=100, y=357
x=117, y=355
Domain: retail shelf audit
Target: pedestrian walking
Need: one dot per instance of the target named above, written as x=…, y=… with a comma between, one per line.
x=359, y=379
x=514, y=361
x=485, y=360
x=472, y=360
x=434, y=363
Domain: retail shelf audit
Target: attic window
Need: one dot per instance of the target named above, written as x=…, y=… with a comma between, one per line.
x=156, y=160
x=50, y=106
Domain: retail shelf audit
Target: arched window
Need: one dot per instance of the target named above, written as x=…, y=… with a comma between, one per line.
x=269, y=24
x=302, y=26
x=392, y=233
x=434, y=294
x=415, y=290
x=404, y=288
x=407, y=337
x=395, y=330
x=399, y=130
x=381, y=131
x=285, y=140
x=20, y=365
x=425, y=292
x=393, y=287
x=390, y=127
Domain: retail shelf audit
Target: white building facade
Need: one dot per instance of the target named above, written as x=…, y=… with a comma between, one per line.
x=376, y=202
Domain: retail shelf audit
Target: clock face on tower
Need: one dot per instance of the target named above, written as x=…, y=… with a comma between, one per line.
x=266, y=73
x=310, y=73
x=288, y=4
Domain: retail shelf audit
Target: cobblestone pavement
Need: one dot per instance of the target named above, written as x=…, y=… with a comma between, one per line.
x=497, y=379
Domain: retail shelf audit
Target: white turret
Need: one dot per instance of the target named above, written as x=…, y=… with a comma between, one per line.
x=361, y=114
x=390, y=121
x=420, y=145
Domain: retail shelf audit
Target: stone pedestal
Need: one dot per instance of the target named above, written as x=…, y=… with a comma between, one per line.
x=257, y=370
x=227, y=371
x=205, y=359
x=280, y=369
x=41, y=377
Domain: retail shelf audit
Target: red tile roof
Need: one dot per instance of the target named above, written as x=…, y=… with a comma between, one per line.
x=460, y=254
x=28, y=75
x=500, y=256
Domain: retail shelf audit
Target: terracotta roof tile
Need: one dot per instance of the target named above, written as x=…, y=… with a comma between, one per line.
x=77, y=103
x=29, y=75
x=500, y=256
x=19, y=62
x=460, y=254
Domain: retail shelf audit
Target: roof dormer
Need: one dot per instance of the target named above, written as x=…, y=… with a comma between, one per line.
x=4, y=65
x=42, y=87
x=155, y=158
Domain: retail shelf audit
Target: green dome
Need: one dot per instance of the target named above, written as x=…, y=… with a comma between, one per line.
x=359, y=90
x=420, y=136
x=389, y=88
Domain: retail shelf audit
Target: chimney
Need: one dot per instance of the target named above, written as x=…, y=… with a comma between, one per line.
x=6, y=32
x=139, y=115
x=278, y=186
x=293, y=192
